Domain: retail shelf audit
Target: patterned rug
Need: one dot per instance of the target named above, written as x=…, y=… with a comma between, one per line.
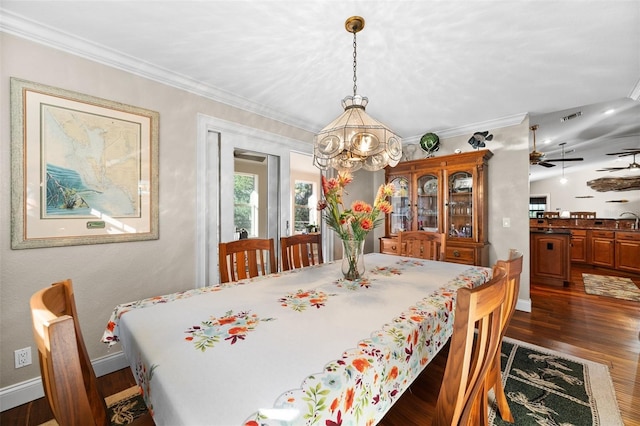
x=124, y=407
x=545, y=387
x=602, y=285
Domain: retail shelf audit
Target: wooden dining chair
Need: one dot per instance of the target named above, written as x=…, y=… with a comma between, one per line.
x=422, y=244
x=473, y=347
x=70, y=384
x=298, y=251
x=246, y=258
x=513, y=268
x=582, y=215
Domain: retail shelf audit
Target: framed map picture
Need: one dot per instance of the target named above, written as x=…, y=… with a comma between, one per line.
x=84, y=169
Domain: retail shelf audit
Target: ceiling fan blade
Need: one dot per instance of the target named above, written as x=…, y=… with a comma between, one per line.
x=628, y=152
x=564, y=159
x=545, y=164
x=611, y=169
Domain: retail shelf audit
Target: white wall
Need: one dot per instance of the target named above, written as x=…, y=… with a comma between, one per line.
x=569, y=196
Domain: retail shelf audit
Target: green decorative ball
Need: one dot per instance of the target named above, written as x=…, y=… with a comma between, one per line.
x=430, y=142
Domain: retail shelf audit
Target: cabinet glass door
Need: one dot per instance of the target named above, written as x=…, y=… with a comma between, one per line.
x=400, y=217
x=460, y=214
x=427, y=204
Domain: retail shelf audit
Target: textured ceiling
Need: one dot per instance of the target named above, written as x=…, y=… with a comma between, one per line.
x=426, y=66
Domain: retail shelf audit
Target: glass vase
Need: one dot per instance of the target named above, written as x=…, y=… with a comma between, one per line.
x=352, y=259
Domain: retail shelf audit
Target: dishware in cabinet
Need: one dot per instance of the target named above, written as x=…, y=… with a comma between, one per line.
x=415, y=201
x=400, y=218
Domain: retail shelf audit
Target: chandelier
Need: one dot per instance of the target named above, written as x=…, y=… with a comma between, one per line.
x=355, y=140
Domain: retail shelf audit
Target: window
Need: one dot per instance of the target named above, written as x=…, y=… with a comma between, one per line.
x=304, y=206
x=538, y=205
x=245, y=194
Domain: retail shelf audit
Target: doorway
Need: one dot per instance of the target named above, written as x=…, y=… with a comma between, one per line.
x=218, y=143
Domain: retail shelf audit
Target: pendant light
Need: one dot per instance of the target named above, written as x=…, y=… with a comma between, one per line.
x=563, y=180
x=356, y=140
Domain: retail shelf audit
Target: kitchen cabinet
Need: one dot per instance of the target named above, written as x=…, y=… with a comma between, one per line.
x=602, y=248
x=627, y=251
x=550, y=257
x=579, y=245
x=442, y=194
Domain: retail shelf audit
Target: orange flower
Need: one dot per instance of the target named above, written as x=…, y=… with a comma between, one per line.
x=111, y=325
x=385, y=207
x=361, y=364
x=366, y=224
x=417, y=318
x=226, y=320
x=334, y=405
x=360, y=207
x=188, y=338
x=348, y=401
x=393, y=373
x=344, y=178
x=238, y=330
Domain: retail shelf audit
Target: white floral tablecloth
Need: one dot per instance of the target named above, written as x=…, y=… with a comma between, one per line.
x=296, y=348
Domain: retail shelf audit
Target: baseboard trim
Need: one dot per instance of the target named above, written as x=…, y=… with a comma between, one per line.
x=523, y=305
x=29, y=390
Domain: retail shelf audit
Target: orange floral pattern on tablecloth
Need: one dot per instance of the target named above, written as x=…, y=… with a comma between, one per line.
x=301, y=300
x=359, y=387
x=363, y=282
x=229, y=327
x=144, y=374
x=110, y=335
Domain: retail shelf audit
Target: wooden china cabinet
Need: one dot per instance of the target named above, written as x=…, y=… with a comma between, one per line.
x=442, y=194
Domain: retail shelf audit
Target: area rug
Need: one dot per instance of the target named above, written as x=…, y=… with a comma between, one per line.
x=545, y=387
x=618, y=287
x=124, y=407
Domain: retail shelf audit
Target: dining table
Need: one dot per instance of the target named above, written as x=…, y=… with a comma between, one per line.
x=301, y=347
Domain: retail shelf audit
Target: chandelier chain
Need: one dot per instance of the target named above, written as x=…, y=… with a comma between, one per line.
x=355, y=79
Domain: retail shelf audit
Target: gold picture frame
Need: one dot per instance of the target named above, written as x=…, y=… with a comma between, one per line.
x=84, y=170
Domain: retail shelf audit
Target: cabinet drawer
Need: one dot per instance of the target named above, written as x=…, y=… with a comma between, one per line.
x=461, y=255
x=579, y=232
x=628, y=236
x=389, y=246
x=602, y=234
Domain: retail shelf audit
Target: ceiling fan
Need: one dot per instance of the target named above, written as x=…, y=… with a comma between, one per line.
x=537, y=157
x=626, y=152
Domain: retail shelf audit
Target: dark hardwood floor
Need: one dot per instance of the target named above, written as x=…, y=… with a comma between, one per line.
x=37, y=412
x=565, y=319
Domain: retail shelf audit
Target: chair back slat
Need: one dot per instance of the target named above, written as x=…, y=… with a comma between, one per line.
x=246, y=258
x=298, y=251
x=462, y=397
x=69, y=382
x=422, y=244
x=513, y=268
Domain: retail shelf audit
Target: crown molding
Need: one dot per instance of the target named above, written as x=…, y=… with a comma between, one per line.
x=511, y=120
x=19, y=26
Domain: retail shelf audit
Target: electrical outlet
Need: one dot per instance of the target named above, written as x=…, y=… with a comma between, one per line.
x=23, y=357
x=506, y=222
